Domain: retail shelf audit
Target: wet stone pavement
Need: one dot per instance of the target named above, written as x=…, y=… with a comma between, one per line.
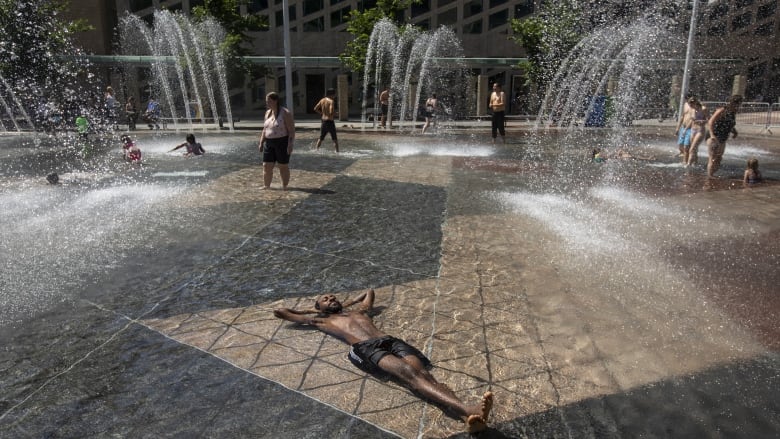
x=630, y=299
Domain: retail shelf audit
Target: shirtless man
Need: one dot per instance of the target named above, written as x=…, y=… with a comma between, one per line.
x=498, y=106
x=683, y=129
x=327, y=109
x=376, y=352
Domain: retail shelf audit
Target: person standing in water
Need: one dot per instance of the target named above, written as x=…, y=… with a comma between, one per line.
x=698, y=131
x=326, y=107
x=375, y=352
x=721, y=125
x=683, y=130
x=384, y=104
x=431, y=105
x=276, y=141
x=498, y=106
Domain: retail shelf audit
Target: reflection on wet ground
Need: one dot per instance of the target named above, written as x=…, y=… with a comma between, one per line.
x=622, y=299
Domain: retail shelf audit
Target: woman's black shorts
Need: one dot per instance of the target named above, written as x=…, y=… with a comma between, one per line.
x=275, y=150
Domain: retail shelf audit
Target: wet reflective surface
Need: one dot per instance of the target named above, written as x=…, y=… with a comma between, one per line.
x=619, y=299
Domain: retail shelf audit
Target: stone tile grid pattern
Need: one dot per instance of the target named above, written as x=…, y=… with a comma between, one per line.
x=530, y=336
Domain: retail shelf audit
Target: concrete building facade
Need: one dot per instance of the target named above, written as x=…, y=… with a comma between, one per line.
x=744, y=30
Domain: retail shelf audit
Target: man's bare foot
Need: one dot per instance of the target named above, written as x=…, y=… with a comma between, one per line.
x=478, y=422
x=475, y=424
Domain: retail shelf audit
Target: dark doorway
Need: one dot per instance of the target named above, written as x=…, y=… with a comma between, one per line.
x=315, y=90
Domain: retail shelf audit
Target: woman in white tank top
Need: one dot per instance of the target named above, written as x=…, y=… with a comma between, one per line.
x=276, y=141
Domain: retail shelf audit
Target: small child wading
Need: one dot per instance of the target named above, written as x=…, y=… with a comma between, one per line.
x=193, y=147
x=131, y=152
x=752, y=174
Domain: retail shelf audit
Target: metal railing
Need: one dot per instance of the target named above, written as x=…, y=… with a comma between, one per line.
x=774, y=117
x=751, y=113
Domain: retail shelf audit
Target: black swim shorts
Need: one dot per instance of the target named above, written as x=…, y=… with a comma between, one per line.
x=365, y=355
x=275, y=150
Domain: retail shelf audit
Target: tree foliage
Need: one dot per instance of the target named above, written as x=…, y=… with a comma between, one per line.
x=361, y=24
x=31, y=36
x=36, y=52
x=548, y=36
x=237, y=43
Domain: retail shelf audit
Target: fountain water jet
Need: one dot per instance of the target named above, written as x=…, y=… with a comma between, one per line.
x=632, y=55
x=197, y=62
x=420, y=63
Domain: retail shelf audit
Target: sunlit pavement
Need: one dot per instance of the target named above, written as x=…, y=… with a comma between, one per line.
x=613, y=314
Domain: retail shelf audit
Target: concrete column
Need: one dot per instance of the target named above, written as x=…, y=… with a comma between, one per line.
x=270, y=84
x=740, y=84
x=611, y=86
x=674, y=93
x=483, y=94
x=411, y=104
x=342, y=96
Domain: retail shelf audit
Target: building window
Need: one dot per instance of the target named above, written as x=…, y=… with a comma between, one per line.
x=494, y=3
x=765, y=29
x=475, y=27
x=280, y=16
x=421, y=8
x=766, y=11
x=718, y=30
x=256, y=5
x=741, y=21
x=316, y=25
x=497, y=19
x=720, y=10
x=335, y=2
x=472, y=8
x=442, y=3
x=448, y=17
x=311, y=6
x=137, y=5
x=339, y=17
x=524, y=8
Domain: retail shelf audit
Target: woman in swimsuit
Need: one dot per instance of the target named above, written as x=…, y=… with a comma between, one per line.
x=721, y=124
x=276, y=141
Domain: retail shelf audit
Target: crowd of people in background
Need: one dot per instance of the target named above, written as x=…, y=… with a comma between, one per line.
x=697, y=125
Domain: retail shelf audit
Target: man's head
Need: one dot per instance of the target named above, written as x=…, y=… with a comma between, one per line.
x=328, y=304
x=496, y=86
x=331, y=92
x=735, y=101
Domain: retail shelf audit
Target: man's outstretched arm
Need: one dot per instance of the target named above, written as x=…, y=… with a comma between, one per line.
x=366, y=301
x=296, y=316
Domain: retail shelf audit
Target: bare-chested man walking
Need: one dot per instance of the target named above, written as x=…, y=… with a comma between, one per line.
x=376, y=352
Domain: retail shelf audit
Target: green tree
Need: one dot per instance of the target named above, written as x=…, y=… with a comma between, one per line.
x=361, y=24
x=547, y=37
x=237, y=43
x=33, y=40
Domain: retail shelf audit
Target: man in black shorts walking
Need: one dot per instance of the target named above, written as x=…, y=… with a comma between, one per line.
x=327, y=108
x=376, y=352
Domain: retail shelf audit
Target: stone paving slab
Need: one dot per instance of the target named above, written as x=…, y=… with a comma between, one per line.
x=597, y=334
x=540, y=338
